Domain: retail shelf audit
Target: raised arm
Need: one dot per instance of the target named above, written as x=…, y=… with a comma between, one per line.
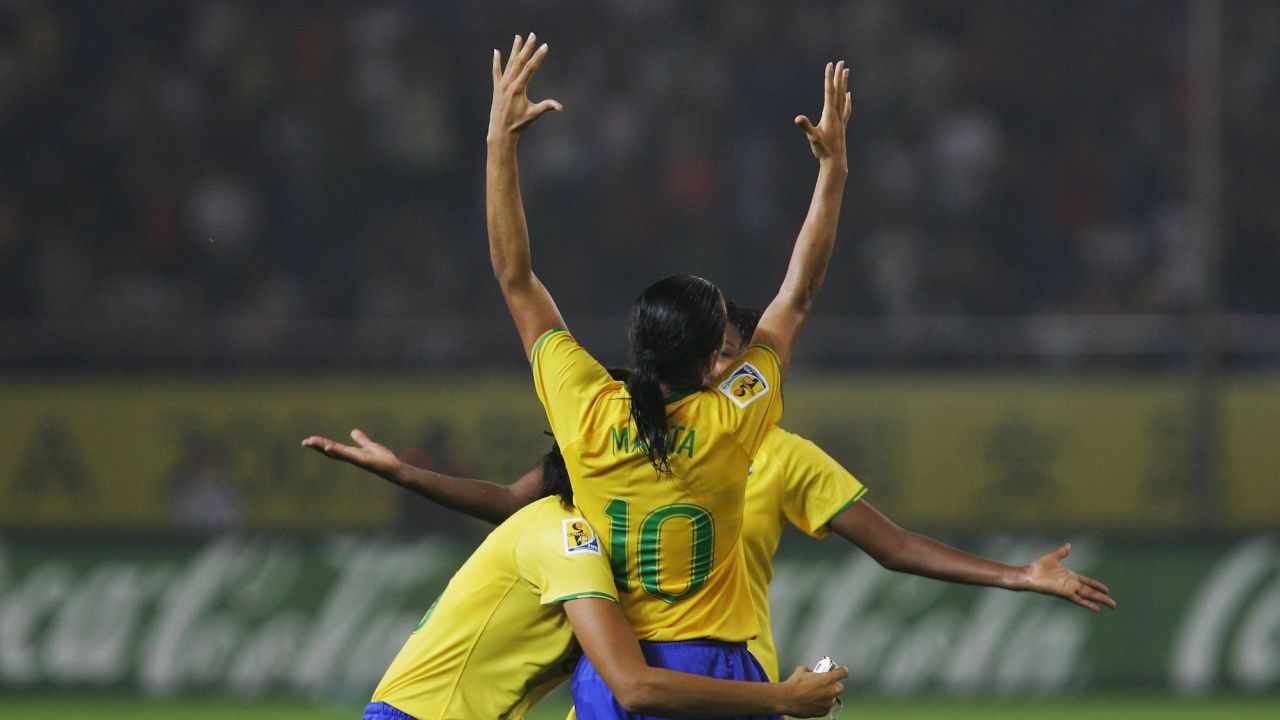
x=909, y=552
x=784, y=317
x=481, y=499
x=611, y=644
x=531, y=306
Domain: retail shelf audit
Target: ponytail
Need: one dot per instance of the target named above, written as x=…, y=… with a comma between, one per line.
x=676, y=324
x=649, y=411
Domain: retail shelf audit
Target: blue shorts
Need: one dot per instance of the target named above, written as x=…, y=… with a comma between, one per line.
x=728, y=661
x=383, y=711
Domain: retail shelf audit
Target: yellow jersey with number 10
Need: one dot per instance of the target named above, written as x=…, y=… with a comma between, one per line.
x=674, y=543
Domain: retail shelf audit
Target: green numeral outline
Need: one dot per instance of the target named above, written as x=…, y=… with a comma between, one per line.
x=619, y=512
x=702, y=553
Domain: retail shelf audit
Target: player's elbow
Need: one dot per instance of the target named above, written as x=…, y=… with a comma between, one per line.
x=640, y=694
x=513, y=280
x=506, y=506
x=896, y=555
x=506, y=274
x=802, y=303
x=892, y=561
x=798, y=298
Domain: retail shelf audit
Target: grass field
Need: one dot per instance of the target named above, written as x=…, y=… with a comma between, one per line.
x=1111, y=708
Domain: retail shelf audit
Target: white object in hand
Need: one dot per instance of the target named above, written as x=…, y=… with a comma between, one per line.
x=825, y=664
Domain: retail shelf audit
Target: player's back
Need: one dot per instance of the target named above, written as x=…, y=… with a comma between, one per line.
x=497, y=639
x=673, y=542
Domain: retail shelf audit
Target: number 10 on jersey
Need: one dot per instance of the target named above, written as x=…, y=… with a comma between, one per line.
x=654, y=561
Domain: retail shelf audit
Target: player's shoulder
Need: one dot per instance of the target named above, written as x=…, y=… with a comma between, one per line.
x=772, y=445
x=780, y=450
x=552, y=526
x=541, y=513
x=528, y=522
x=556, y=339
x=765, y=357
x=780, y=440
x=752, y=378
x=792, y=454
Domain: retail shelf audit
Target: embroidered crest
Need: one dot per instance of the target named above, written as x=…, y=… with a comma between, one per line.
x=579, y=537
x=745, y=385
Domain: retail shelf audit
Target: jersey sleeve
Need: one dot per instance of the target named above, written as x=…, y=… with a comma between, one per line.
x=754, y=387
x=817, y=487
x=566, y=378
x=560, y=557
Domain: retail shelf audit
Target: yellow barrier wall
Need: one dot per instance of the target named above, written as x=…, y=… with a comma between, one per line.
x=937, y=451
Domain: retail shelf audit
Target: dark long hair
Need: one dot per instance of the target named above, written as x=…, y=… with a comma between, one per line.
x=555, y=477
x=676, y=324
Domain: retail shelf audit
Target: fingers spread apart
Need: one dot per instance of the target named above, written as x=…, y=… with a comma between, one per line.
x=532, y=66
x=521, y=50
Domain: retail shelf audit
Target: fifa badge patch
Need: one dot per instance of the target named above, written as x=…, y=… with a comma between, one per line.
x=579, y=537
x=745, y=385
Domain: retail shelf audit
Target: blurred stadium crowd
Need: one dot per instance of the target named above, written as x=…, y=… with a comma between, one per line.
x=210, y=160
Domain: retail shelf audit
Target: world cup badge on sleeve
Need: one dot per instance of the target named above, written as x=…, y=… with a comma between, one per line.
x=745, y=385
x=580, y=537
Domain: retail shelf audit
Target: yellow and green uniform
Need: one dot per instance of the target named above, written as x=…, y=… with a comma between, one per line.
x=792, y=480
x=497, y=639
x=674, y=543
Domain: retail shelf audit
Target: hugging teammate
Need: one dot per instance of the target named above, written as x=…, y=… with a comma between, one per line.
x=659, y=463
x=502, y=633
x=792, y=481
x=680, y=483
x=681, y=478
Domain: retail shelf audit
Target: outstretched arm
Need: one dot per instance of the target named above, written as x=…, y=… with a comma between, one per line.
x=478, y=498
x=531, y=306
x=785, y=316
x=909, y=552
x=611, y=644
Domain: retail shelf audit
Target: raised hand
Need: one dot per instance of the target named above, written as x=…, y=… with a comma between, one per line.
x=1046, y=574
x=826, y=139
x=369, y=455
x=812, y=694
x=512, y=111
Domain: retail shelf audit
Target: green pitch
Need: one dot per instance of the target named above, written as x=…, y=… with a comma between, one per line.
x=1111, y=708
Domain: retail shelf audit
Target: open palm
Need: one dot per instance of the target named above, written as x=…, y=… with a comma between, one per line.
x=826, y=139
x=1046, y=574
x=512, y=111
x=366, y=454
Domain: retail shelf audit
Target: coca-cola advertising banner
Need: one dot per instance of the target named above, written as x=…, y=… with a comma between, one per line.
x=250, y=616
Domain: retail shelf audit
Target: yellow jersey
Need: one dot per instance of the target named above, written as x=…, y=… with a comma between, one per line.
x=497, y=640
x=674, y=543
x=792, y=479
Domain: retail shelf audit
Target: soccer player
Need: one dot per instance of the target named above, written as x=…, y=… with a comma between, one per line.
x=501, y=635
x=791, y=480
x=659, y=463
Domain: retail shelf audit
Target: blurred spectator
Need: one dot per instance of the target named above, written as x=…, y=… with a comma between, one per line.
x=229, y=159
x=206, y=498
